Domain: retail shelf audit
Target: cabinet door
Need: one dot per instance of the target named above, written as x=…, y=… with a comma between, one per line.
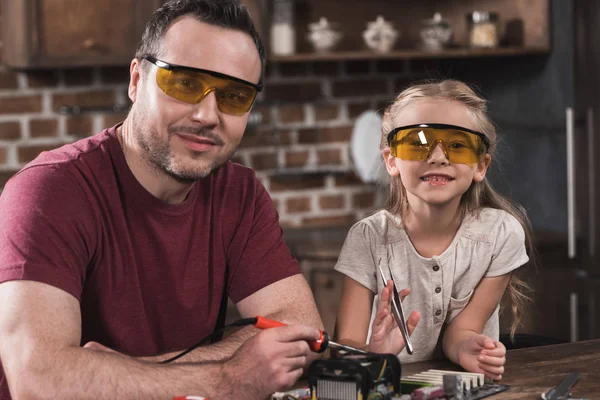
x=58, y=33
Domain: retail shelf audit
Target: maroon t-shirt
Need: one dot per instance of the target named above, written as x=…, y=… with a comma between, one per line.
x=149, y=276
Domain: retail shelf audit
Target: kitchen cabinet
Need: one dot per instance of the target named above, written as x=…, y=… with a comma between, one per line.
x=63, y=33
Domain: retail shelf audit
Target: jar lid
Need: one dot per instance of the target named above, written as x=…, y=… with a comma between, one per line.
x=437, y=20
x=482, y=16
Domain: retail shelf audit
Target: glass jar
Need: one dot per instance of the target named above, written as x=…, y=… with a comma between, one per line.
x=483, y=29
x=283, y=35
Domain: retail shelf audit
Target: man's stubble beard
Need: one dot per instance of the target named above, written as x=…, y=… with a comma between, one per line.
x=158, y=154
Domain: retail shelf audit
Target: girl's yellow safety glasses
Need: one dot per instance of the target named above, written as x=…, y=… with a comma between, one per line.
x=416, y=142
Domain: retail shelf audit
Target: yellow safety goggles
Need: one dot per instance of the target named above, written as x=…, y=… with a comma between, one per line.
x=416, y=142
x=234, y=96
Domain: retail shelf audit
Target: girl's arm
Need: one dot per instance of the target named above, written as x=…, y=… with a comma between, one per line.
x=354, y=314
x=463, y=342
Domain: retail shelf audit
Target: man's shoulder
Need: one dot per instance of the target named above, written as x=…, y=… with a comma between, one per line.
x=59, y=166
x=67, y=154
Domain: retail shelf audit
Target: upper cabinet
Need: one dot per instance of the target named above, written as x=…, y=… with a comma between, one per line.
x=63, y=33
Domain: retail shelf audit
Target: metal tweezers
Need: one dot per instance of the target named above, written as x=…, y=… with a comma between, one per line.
x=397, y=310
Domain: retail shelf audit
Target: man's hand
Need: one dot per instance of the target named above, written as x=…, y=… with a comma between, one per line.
x=481, y=354
x=269, y=362
x=385, y=333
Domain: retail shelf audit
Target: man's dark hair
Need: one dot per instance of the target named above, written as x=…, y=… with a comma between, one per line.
x=230, y=14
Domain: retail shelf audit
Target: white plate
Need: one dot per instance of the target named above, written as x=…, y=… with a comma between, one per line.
x=364, y=146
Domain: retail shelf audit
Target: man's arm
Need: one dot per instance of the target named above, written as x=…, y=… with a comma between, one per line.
x=289, y=300
x=40, y=327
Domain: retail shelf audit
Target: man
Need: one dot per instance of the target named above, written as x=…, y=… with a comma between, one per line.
x=119, y=251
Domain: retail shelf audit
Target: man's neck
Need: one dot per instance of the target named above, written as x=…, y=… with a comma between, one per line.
x=153, y=179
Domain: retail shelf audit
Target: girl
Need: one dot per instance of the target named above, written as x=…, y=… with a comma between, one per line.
x=447, y=237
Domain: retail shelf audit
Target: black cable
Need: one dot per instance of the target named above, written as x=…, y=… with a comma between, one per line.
x=239, y=322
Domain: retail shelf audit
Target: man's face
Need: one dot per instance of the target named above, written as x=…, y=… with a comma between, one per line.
x=188, y=141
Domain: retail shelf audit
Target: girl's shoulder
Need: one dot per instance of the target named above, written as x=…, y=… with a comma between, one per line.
x=487, y=223
x=381, y=228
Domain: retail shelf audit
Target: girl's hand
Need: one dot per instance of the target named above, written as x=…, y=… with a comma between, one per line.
x=385, y=333
x=481, y=354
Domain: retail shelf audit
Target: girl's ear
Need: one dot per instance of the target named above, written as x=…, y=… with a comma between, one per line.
x=482, y=167
x=390, y=162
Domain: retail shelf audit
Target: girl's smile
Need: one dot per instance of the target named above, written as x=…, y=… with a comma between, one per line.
x=437, y=179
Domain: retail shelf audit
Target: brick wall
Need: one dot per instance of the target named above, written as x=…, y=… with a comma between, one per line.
x=299, y=150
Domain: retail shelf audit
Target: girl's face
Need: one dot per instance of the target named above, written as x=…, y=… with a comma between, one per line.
x=435, y=181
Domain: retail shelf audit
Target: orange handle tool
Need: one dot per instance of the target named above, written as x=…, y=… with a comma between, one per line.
x=318, y=346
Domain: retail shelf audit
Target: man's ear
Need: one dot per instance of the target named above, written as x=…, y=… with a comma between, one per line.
x=390, y=162
x=135, y=77
x=482, y=167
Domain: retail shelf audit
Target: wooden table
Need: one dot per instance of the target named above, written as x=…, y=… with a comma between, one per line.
x=533, y=371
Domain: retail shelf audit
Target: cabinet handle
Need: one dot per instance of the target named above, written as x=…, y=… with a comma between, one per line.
x=90, y=44
x=570, y=182
x=573, y=316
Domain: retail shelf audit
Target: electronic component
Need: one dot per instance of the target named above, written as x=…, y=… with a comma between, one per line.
x=363, y=377
x=456, y=385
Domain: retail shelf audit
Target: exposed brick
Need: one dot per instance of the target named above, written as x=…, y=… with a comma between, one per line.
x=357, y=67
x=355, y=109
x=237, y=159
x=10, y=130
x=329, y=157
x=296, y=158
x=269, y=71
x=291, y=113
x=261, y=162
x=80, y=125
x=294, y=69
x=427, y=66
x=20, y=104
x=359, y=87
x=347, y=180
x=298, y=205
x=326, y=112
x=294, y=92
x=43, y=128
x=309, y=135
x=363, y=200
x=3, y=155
x=5, y=176
x=335, y=134
x=8, y=80
x=258, y=137
x=28, y=153
x=265, y=113
x=101, y=98
x=326, y=68
x=113, y=119
x=281, y=183
x=114, y=75
x=330, y=202
x=341, y=220
x=390, y=66
x=41, y=79
x=381, y=106
x=402, y=83
x=78, y=76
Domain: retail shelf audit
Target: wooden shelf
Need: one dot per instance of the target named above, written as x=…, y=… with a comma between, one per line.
x=411, y=54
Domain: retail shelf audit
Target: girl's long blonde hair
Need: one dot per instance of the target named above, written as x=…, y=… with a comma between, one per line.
x=480, y=194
